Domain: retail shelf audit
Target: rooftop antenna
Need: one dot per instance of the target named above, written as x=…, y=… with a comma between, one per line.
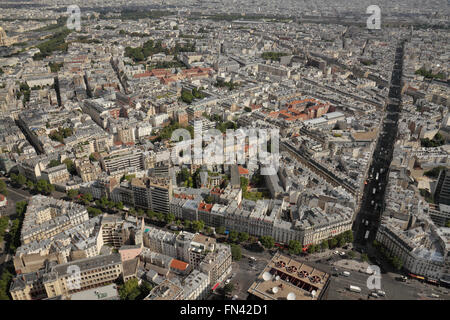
x=267, y=276
x=291, y=296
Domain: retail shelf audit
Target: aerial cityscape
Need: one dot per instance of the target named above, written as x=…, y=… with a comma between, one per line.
x=224, y=150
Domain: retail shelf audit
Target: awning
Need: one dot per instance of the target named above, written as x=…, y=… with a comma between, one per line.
x=215, y=286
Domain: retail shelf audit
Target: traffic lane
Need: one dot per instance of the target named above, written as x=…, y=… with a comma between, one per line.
x=245, y=275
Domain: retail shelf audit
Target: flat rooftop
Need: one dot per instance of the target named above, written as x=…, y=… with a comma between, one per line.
x=289, y=276
x=108, y=292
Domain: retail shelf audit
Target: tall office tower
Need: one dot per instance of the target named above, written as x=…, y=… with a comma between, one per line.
x=442, y=192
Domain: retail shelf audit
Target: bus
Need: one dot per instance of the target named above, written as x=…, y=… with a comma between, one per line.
x=354, y=289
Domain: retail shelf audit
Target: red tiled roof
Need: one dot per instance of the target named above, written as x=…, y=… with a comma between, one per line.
x=179, y=265
x=243, y=170
x=204, y=206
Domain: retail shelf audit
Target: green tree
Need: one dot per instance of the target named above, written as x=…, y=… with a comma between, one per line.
x=53, y=163
x=244, y=184
x=209, y=199
x=236, y=252
x=129, y=290
x=348, y=236
x=3, y=188
x=243, y=236
x=332, y=243
x=295, y=247
x=94, y=211
x=351, y=254
x=72, y=193
x=21, y=207
x=187, y=224
x=397, y=263
x=197, y=225
x=448, y=224
x=87, y=198
x=70, y=166
x=208, y=230
x=233, y=236
x=160, y=216
x=44, y=187
x=170, y=217
x=21, y=179
x=324, y=245
x=312, y=248
x=30, y=184
x=4, y=221
x=364, y=257
x=119, y=205
x=341, y=240
x=151, y=214
x=220, y=230
x=267, y=241
x=5, y=281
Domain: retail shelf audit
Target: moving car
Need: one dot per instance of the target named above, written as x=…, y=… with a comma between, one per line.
x=354, y=288
x=381, y=293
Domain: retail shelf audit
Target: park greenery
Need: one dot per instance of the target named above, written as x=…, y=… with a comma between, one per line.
x=55, y=43
x=3, y=188
x=274, y=56
x=236, y=252
x=134, y=14
x=150, y=47
x=229, y=84
x=166, y=132
x=437, y=141
x=60, y=134
x=24, y=90
x=188, y=96
x=55, y=66
x=254, y=196
x=427, y=195
x=267, y=241
x=42, y=186
x=224, y=126
x=434, y=173
x=131, y=290
x=429, y=74
x=12, y=238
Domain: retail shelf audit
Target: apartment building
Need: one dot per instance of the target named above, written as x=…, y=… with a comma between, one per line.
x=122, y=160
x=68, y=278
x=56, y=175
x=422, y=247
x=45, y=217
